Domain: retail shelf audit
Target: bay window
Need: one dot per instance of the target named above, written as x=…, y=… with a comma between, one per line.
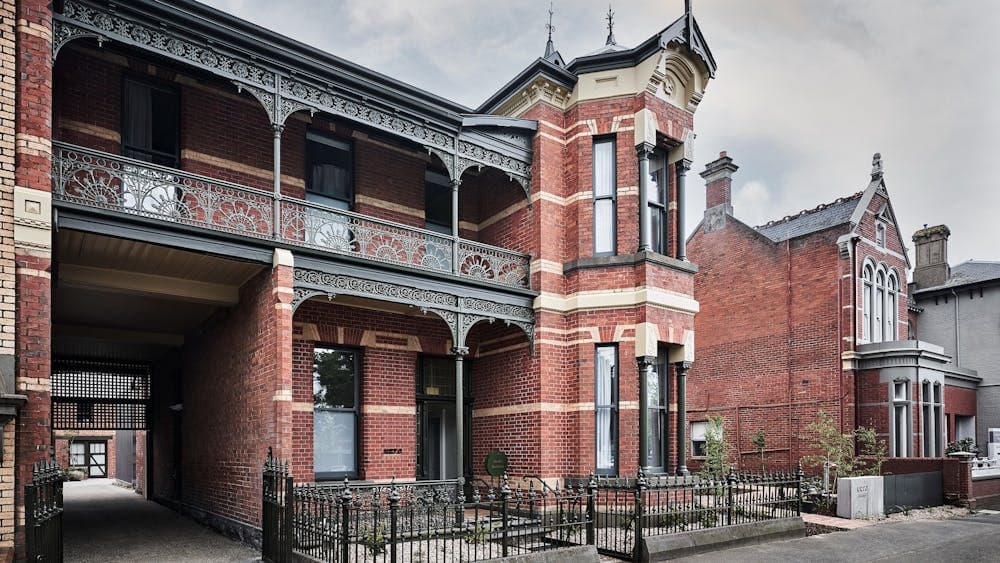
x=606, y=408
x=658, y=181
x=605, y=179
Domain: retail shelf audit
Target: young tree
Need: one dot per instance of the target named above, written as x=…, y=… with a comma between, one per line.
x=836, y=450
x=760, y=442
x=716, y=448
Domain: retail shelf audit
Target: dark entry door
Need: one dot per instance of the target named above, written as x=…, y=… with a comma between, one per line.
x=436, y=428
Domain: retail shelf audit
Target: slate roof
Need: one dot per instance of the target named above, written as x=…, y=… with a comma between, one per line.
x=969, y=273
x=811, y=220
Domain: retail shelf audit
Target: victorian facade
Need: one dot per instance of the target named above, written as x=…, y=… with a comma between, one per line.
x=810, y=314
x=957, y=308
x=230, y=243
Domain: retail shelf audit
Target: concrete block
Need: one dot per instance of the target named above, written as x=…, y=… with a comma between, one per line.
x=684, y=544
x=860, y=497
x=575, y=554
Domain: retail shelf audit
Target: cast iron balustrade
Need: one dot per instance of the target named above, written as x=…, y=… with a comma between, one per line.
x=123, y=185
x=442, y=521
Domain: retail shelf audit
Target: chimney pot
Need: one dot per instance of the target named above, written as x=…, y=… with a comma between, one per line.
x=718, y=176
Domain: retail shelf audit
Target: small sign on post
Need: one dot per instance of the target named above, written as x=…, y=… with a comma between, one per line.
x=496, y=463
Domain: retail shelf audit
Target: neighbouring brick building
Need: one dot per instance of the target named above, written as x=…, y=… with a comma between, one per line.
x=236, y=243
x=810, y=313
x=959, y=310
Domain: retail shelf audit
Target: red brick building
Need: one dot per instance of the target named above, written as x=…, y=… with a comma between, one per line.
x=810, y=313
x=236, y=243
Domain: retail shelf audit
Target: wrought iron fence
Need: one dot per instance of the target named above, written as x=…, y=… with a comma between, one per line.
x=443, y=521
x=43, y=513
x=133, y=187
x=627, y=510
x=276, y=511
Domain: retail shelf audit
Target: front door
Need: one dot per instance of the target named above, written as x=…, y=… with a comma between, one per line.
x=436, y=433
x=91, y=456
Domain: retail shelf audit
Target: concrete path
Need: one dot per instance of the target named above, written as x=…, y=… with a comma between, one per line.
x=106, y=523
x=969, y=539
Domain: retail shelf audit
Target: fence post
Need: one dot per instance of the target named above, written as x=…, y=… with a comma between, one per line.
x=640, y=487
x=798, y=489
x=591, y=512
x=345, y=522
x=504, y=503
x=393, y=518
x=288, y=537
x=730, y=483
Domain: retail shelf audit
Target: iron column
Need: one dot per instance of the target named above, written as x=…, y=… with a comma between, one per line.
x=682, y=368
x=682, y=167
x=460, y=353
x=277, y=178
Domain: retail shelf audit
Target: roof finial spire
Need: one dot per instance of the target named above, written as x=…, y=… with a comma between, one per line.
x=550, y=47
x=611, y=27
x=689, y=20
x=877, y=166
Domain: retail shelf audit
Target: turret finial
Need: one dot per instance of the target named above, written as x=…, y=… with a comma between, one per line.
x=611, y=27
x=550, y=48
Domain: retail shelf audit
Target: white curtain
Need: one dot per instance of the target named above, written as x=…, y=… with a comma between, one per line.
x=879, y=307
x=890, y=311
x=603, y=399
x=604, y=191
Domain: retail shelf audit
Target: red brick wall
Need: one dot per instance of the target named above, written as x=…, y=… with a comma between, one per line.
x=958, y=401
x=235, y=357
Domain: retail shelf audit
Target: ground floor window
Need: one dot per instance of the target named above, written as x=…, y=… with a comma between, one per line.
x=965, y=427
x=336, y=391
x=606, y=408
x=699, y=434
x=656, y=416
x=901, y=419
x=933, y=420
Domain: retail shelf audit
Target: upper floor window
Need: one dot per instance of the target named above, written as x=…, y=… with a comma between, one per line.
x=880, y=304
x=151, y=123
x=336, y=393
x=605, y=179
x=880, y=235
x=437, y=202
x=658, y=182
x=330, y=170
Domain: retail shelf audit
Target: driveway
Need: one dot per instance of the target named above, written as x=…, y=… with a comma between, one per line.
x=106, y=523
x=969, y=539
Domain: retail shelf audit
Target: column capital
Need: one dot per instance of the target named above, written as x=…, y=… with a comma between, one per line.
x=460, y=351
x=683, y=165
x=645, y=361
x=682, y=367
x=277, y=128
x=456, y=183
x=644, y=150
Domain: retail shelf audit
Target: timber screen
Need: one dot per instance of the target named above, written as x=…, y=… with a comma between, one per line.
x=99, y=394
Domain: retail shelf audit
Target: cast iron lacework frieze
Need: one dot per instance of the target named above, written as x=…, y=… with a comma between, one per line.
x=459, y=313
x=280, y=94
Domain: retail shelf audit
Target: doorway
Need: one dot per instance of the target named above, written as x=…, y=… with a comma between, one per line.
x=91, y=456
x=436, y=429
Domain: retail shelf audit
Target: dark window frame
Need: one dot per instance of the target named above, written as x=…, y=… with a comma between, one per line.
x=358, y=374
x=613, y=407
x=613, y=197
x=663, y=418
x=444, y=228
x=321, y=198
x=163, y=86
x=661, y=240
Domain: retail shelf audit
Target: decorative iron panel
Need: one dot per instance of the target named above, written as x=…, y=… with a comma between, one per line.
x=134, y=187
x=99, y=394
x=492, y=264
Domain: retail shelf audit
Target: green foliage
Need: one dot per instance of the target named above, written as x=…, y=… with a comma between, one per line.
x=837, y=449
x=963, y=445
x=478, y=534
x=716, y=448
x=759, y=441
x=873, y=448
x=374, y=540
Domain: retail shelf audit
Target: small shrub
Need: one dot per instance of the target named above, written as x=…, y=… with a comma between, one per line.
x=478, y=534
x=716, y=448
x=963, y=445
x=759, y=441
x=374, y=540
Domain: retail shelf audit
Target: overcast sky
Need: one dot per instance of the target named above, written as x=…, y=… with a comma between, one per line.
x=806, y=91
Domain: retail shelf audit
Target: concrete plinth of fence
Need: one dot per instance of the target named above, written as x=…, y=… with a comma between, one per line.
x=672, y=546
x=576, y=554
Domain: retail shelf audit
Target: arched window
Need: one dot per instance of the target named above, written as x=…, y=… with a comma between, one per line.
x=879, y=308
x=891, y=308
x=866, y=307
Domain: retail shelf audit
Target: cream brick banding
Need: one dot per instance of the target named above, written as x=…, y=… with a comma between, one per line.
x=614, y=299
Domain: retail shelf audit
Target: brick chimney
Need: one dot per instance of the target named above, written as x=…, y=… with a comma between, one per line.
x=932, y=267
x=718, y=176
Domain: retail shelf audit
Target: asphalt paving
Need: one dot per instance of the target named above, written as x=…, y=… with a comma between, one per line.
x=106, y=523
x=968, y=539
